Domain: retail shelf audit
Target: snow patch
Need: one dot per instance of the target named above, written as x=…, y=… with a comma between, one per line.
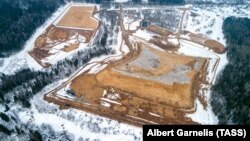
x=121, y=1
x=63, y=92
x=78, y=123
x=208, y=20
x=105, y=104
x=173, y=41
x=134, y=25
x=142, y=34
x=203, y=116
x=111, y=101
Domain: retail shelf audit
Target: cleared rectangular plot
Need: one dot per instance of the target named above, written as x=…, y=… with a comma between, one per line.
x=79, y=17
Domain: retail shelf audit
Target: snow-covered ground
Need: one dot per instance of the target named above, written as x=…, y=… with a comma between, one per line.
x=77, y=123
x=143, y=34
x=173, y=41
x=204, y=115
x=56, y=51
x=134, y=25
x=217, y=1
x=63, y=92
x=126, y=22
x=121, y=1
x=208, y=20
x=131, y=24
x=22, y=59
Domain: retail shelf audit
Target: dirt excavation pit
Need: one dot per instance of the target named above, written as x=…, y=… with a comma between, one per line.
x=75, y=29
x=156, y=87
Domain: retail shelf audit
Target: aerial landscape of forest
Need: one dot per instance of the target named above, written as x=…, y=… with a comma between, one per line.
x=101, y=69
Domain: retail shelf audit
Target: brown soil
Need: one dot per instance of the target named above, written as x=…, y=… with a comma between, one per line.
x=163, y=37
x=57, y=35
x=215, y=46
x=133, y=116
x=159, y=30
x=177, y=95
x=167, y=63
x=203, y=40
x=137, y=94
x=200, y=78
x=159, y=42
x=70, y=47
x=54, y=36
x=79, y=16
x=137, y=98
x=36, y=54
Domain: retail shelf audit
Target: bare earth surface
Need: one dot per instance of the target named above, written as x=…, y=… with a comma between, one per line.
x=152, y=83
x=80, y=17
x=76, y=27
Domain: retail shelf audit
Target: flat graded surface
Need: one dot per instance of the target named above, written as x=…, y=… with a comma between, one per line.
x=79, y=17
x=75, y=29
x=144, y=91
x=158, y=76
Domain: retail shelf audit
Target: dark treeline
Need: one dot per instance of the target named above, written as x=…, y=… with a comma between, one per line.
x=19, y=88
x=215, y=2
x=231, y=93
x=135, y=1
x=19, y=19
x=25, y=83
x=160, y=1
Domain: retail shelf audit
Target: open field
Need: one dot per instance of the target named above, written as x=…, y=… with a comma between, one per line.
x=79, y=17
x=68, y=35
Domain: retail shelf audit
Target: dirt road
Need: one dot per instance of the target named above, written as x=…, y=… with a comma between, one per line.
x=134, y=51
x=125, y=36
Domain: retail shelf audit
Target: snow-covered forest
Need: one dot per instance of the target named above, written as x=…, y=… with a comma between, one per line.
x=23, y=112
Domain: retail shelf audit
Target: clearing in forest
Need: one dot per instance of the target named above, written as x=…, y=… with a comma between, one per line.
x=79, y=17
x=73, y=29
